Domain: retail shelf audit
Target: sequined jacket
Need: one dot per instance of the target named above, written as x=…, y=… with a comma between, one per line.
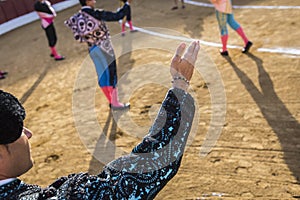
x=138, y=175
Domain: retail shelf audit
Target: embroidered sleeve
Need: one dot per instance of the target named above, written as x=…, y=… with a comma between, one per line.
x=152, y=163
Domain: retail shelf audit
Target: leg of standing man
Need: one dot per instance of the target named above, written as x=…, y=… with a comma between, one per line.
x=182, y=4
x=237, y=27
x=222, y=21
x=3, y=74
x=175, y=5
x=52, y=39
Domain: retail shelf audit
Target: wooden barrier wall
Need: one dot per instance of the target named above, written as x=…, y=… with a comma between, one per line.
x=10, y=9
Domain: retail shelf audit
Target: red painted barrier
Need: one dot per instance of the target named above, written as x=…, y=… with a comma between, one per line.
x=10, y=9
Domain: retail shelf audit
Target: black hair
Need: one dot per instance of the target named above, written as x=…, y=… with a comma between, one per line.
x=82, y=2
x=124, y=1
x=12, y=115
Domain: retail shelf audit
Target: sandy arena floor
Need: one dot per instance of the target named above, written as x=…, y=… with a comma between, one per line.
x=257, y=154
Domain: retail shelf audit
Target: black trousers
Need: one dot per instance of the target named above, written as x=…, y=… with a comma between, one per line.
x=51, y=35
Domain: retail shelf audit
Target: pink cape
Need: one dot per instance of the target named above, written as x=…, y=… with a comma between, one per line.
x=224, y=6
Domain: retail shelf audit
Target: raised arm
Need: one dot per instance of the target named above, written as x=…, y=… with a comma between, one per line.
x=153, y=162
x=111, y=16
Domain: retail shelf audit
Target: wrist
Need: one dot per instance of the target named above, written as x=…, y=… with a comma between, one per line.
x=180, y=82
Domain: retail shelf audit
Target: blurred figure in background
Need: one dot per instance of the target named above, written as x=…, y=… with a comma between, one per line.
x=176, y=5
x=89, y=26
x=127, y=18
x=47, y=15
x=3, y=74
x=225, y=16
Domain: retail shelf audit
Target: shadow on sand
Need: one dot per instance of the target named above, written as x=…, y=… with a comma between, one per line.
x=279, y=118
x=96, y=166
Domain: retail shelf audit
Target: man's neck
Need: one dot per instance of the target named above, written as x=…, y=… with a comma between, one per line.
x=5, y=181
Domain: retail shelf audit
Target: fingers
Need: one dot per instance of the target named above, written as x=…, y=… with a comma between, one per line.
x=184, y=65
x=192, y=52
x=180, y=49
x=179, y=52
x=197, y=47
x=196, y=51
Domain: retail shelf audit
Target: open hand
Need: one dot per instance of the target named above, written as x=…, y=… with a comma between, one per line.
x=182, y=64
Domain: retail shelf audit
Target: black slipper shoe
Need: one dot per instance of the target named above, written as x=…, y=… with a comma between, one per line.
x=124, y=107
x=247, y=47
x=224, y=53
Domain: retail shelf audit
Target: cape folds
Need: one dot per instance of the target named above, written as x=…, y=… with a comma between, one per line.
x=92, y=31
